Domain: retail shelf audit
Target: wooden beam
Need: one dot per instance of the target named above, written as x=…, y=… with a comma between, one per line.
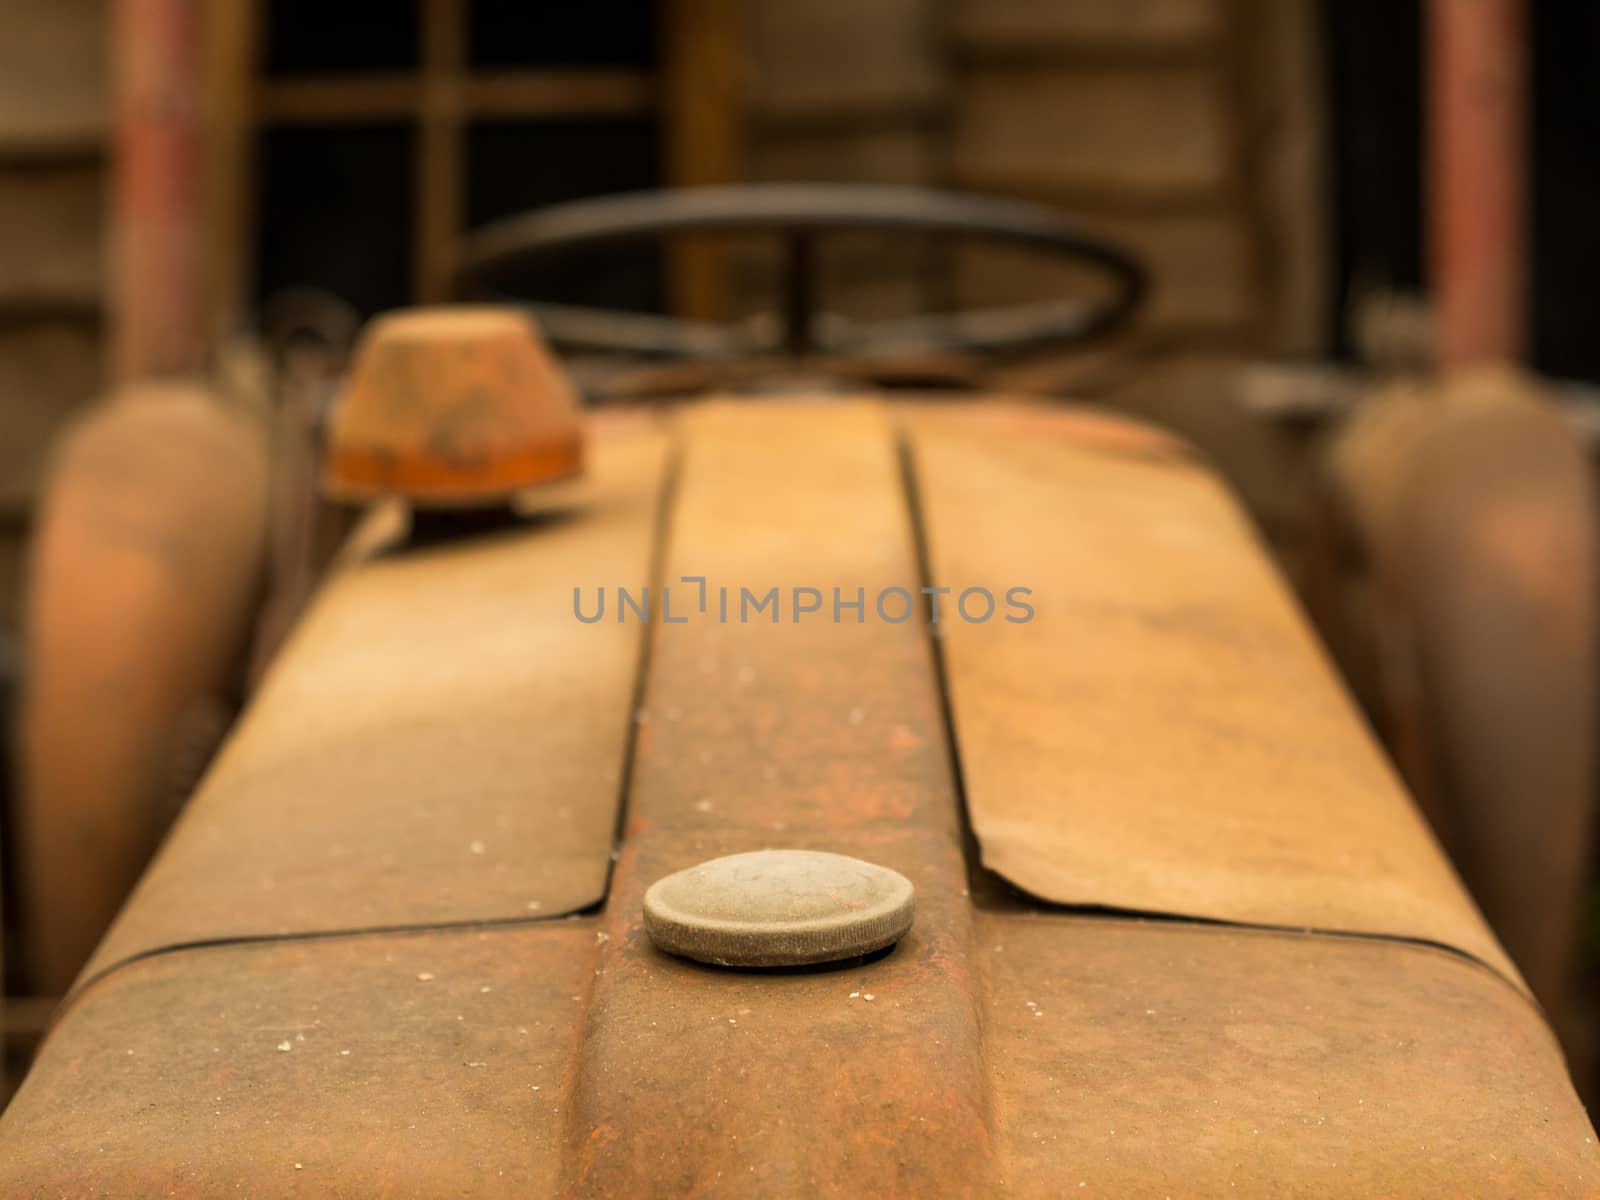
x=533, y=95
x=500, y=95
x=1137, y=34
x=341, y=99
x=1284, y=102
x=232, y=44
x=705, y=118
x=1083, y=190
x=54, y=82
x=440, y=153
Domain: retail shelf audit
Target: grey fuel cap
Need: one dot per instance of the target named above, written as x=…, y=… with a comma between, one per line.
x=779, y=908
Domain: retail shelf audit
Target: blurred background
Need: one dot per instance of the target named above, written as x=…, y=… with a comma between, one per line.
x=1368, y=226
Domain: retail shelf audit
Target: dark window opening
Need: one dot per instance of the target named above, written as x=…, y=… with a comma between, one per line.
x=336, y=212
x=313, y=37
x=508, y=34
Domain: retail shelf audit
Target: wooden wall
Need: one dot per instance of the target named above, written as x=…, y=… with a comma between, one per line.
x=1182, y=128
x=52, y=185
x=845, y=91
x=1186, y=129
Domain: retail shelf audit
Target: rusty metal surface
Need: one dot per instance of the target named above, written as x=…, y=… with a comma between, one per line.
x=1158, y=1059
x=770, y=726
x=452, y=407
x=426, y=1065
x=701, y=1081
x=1165, y=735
x=1130, y=1058
x=137, y=616
x=1473, y=502
x=998, y=1049
x=441, y=739
x=810, y=734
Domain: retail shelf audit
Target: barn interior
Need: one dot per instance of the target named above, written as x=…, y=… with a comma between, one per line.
x=1366, y=227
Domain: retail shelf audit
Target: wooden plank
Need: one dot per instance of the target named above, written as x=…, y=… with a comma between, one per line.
x=53, y=77
x=838, y=59
x=1238, y=59
x=232, y=46
x=1104, y=27
x=507, y=95
x=1105, y=130
x=1288, y=161
x=1199, y=269
x=51, y=237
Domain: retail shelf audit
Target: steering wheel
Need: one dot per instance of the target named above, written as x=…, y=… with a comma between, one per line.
x=801, y=214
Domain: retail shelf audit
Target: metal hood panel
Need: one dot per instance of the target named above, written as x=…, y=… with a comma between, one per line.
x=1135, y=1058
x=813, y=734
x=1085, y=1057
x=1165, y=735
x=418, y=1065
x=998, y=1049
x=440, y=741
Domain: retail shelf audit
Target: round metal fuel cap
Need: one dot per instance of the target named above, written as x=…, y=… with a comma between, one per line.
x=779, y=908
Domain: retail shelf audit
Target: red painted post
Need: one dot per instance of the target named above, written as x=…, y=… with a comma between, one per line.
x=1477, y=171
x=157, y=327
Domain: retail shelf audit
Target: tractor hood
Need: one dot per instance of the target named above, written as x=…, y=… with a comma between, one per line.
x=1179, y=931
